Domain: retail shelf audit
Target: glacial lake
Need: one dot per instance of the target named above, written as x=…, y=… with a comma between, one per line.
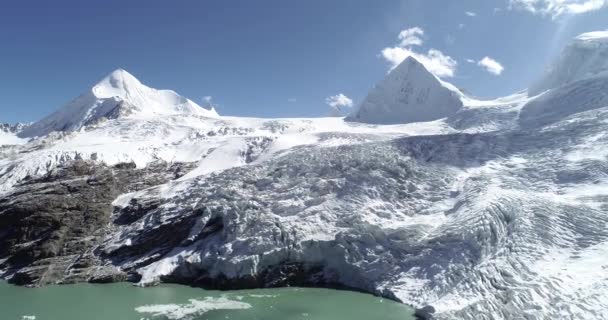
x=123, y=301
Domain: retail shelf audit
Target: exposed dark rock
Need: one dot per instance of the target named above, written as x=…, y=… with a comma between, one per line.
x=287, y=274
x=159, y=241
x=50, y=225
x=425, y=313
x=135, y=210
x=125, y=165
x=13, y=128
x=108, y=275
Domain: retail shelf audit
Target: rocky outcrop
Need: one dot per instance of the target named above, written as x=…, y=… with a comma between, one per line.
x=13, y=128
x=50, y=225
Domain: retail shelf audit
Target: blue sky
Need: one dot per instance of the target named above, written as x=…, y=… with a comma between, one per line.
x=275, y=58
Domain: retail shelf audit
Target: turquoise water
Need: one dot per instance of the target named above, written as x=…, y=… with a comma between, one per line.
x=123, y=302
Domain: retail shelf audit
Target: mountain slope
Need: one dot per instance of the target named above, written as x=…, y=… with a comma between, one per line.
x=409, y=93
x=576, y=82
x=117, y=95
x=586, y=56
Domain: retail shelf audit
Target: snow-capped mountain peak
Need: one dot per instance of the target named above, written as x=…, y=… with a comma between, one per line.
x=119, y=83
x=409, y=93
x=119, y=94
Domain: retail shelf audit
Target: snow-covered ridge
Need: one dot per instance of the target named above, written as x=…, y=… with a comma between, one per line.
x=117, y=95
x=593, y=36
x=585, y=57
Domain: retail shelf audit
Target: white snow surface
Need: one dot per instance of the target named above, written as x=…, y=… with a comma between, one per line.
x=8, y=138
x=483, y=209
x=9, y=134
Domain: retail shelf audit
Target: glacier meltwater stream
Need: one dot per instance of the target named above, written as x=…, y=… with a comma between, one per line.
x=124, y=301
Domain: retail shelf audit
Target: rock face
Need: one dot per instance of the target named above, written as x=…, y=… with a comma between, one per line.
x=50, y=225
x=13, y=128
x=409, y=93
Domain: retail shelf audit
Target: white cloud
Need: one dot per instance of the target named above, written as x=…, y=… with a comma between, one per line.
x=339, y=101
x=471, y=61
x=460, y=26
x=338, y=104
x=556, y=8
x=434, y=60
x=411, y=37
x=471, y=14
x=207, y=99
x=491, y=65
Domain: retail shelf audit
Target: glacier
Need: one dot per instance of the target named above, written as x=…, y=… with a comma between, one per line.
x=480, y=209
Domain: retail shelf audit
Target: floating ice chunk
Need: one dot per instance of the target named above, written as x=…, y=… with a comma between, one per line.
x=193, y=309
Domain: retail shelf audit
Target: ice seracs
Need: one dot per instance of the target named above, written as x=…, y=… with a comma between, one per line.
x=585, y=57
x=409, y=93
x=119, y=94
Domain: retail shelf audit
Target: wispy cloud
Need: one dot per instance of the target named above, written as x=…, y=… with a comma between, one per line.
x=434, y=60
x=292, y=100
x=411, y=37
x=338, y=101
x=556, y=8
x=471, y=14
x=492, y=66
x=208, y=102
